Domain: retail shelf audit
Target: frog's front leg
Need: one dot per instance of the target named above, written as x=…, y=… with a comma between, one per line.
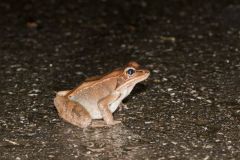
x=103, y=106
x=72, y=112
x=122, y=106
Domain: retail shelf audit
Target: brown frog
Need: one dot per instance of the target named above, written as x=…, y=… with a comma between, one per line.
x=98, y=97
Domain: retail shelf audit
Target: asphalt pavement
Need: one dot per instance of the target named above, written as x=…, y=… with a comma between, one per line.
x=189, y=108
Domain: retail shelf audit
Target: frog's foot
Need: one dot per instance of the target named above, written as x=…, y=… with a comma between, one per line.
x=72, y=112
x=122, y=106
x=116, y=122
x=101, y=123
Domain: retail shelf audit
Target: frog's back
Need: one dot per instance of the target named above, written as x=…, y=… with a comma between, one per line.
x=94, y=84
x=94, y=89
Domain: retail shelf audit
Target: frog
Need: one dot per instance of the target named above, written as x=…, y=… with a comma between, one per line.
x=98, y=97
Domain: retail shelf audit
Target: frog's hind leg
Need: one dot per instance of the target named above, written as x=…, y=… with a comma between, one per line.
x=63, y=93
x=72, y=112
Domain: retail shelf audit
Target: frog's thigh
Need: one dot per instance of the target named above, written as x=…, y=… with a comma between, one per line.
x=72, y=112
x=63, y=93
x=103, y=105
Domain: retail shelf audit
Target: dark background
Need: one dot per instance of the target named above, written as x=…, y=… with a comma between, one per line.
x=189, y=108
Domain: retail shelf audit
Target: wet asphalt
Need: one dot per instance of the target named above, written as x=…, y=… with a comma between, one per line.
x=189, y=108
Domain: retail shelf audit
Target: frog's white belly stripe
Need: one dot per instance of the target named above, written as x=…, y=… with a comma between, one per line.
x=95, y=113
x=94, y=110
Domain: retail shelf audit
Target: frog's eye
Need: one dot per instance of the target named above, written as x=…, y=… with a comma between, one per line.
x=130, y=71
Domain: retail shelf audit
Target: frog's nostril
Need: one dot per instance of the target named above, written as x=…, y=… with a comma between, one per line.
x=146, y=71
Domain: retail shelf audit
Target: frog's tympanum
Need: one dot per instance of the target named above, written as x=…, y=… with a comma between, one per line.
x=98, y=97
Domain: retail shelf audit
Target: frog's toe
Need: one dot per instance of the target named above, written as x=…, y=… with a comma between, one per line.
x=115, y=122
x=98, y=124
